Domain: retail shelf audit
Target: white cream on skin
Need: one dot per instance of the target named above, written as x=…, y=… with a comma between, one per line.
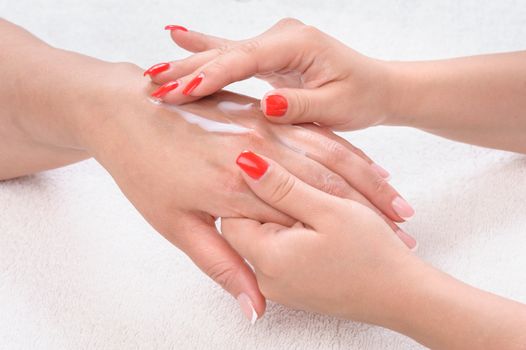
x=232, y=109
x=205, y=123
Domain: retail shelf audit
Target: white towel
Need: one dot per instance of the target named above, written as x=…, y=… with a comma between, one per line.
x=80, y=268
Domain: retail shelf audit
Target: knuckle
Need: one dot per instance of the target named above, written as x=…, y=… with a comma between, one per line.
x=234, y=184
x=218, y=67
x=301, y=104
x=310, y=32
x=380, y=185
x=284, y=185
x=223, y=49
x=336, y=153
x=254, y=141
x=224, y=273
x=289, y=21
x=249, y=47
x=335, y=185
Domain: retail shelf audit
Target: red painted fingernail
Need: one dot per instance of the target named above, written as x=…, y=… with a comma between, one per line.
x=175, y=27
x=193, y=84
x=156, y=69
x=164, y=89
x=252, y=164
x=276, y=105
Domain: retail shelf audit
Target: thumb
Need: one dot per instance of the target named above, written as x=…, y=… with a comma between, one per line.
x=295, y=106
x=215, y=257
x=286, y=193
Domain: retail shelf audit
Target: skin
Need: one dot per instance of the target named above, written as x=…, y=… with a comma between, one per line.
x=344, y=262
x=59, y=107
x=478, y=100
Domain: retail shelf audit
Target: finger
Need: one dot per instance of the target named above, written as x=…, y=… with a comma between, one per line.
x=195, y=41
x=355, y=170
x=254, y=241
x=215, y=257
x=285, y=192
x=245, y=236
x=327, y=132
x=239, y=62
x=322, y=178
x=296, y=106
x=162, y=73
x=258, y=210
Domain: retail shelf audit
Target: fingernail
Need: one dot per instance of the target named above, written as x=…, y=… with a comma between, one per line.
x=408, y=240
x=402, y=208
x=156, y=69
x=175, y=27
x=164, y=89
x=275, y=105
x=193, y=84
x=252, y=164
x=246, y=307
x=381, y=171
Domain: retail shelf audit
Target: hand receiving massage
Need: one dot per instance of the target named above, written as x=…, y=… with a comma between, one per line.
x=338, y=258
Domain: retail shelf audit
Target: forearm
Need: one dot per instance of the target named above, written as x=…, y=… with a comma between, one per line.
x=444, y=313
x=479, y=100
x=47, y=97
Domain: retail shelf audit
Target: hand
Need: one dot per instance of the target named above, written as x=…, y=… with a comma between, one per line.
x=179, y=176
x=316, y=77
x=340, y=258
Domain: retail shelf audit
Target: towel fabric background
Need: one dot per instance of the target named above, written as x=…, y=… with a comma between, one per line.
x=80, y=268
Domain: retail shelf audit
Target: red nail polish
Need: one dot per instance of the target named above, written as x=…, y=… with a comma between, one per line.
x=276, y=105
x=175, y=27
x=156, y=69
x=252, y=164
x=193, y=84
x=164, y=89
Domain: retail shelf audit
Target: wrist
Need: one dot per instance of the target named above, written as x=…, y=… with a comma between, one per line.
x=406, y=87
x=79, y=100
x=441, y=312
x=115, y=93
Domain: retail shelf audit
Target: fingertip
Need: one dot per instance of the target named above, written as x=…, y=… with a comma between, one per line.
x=407, y=239
x=274, y=105
x=175, y=27
x=252, y=164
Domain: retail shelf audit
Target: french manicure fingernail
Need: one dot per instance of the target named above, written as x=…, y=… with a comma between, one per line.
x=402, y=208
x=247, y=308
x=275, y=105
x=175, y=27
x=252, y=164
x=156, y=69
x=193, y=84
x=381, y=171
x=164, y=89
x=408, y=240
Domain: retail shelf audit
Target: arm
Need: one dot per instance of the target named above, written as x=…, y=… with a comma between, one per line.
x=39, y=102
x=479, y=100
x=340, y=261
